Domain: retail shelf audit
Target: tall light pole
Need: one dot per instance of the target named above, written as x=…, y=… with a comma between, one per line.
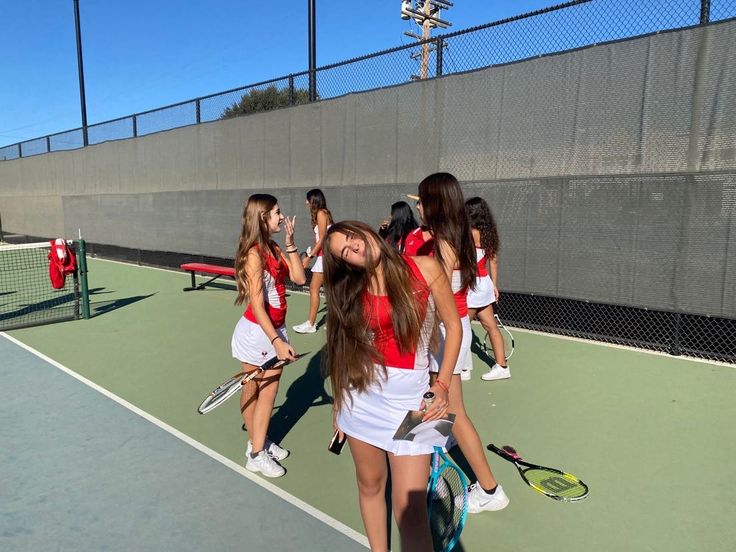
x=80, y=65
x=312, y=51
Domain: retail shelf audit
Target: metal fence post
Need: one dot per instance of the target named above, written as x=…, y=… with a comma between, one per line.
x=198, y=110
x=48, y=144
x=20, y=150
x=135, y=126
x=291, y=90
x=704, y=12
x=440, y=45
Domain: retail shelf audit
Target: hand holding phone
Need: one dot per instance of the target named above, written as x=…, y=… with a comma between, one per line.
x=336, y=443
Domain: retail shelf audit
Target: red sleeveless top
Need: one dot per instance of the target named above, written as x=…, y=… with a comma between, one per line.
x=380, y=322
x=275, y=272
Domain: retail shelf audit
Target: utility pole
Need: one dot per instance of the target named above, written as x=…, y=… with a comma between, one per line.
x=312, y=51
x=80, y=70
x=426, y=14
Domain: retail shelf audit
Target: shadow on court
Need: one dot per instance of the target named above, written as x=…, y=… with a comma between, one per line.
x=477, y=348
x=308, y=390
x=98, y=308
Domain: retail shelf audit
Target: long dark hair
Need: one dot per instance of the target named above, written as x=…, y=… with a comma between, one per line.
x=317, y=202
x=481, y=218
x=254, y=233
x=351, y=354
x=444, y=213
x=401, y=224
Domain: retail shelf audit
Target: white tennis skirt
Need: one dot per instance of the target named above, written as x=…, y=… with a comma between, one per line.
x=464, y=358
x=251, y=345
x=318, y=267
x=374, y=415
x=484, y=293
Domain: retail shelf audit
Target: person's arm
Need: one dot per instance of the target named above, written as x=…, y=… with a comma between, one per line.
x=254, y=274
x=493, y=265
x=446, y=310
x=291, y=256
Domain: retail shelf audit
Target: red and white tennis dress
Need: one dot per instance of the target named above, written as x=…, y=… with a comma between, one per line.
x=318, y=265
x=416, y=245
x=250, y=343
x=484, y=293
x=374, y=415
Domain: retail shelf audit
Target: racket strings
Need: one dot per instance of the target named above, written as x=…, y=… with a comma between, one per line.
x=562, y=485
x=448, y=501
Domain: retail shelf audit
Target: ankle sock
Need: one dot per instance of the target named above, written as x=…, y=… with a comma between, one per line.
x=492, y=491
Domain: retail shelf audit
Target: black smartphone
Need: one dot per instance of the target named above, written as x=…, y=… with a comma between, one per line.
x=336, y=443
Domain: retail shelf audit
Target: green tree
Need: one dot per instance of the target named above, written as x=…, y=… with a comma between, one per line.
x=264, y=99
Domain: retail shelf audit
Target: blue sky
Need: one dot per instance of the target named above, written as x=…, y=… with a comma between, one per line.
x=143, y=54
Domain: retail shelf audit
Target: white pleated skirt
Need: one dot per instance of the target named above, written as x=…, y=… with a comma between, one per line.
x=484, y=293
x=374, y=415
x=251, y=345
x=464, y=358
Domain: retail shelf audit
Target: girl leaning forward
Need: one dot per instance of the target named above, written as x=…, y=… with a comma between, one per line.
x=380, y=315
x=261, y=268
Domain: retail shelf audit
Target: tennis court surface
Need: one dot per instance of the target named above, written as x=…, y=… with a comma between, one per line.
x=650, y=434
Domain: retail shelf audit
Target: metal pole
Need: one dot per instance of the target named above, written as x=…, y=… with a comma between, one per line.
x=438, y=56
x=312, y=51
x=704, y=12
x=80, y=64
x=291, y=89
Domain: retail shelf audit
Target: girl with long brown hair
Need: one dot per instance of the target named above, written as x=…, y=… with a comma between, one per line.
x=443, y=210
x=481, y=299
x=381, y=308
x=321, y=220
x=261, y=268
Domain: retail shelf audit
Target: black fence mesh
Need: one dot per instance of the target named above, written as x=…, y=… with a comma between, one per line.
x=551, y=30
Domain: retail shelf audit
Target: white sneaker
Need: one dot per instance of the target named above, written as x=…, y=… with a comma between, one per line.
x=274, y=451
x=496, y=373
x=305, y=328
x=265, y=464
x=481, y=501
x=465, y=375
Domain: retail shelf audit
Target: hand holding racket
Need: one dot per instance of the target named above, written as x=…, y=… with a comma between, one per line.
x=550, y=482
x=447, y=501
x=228, y=388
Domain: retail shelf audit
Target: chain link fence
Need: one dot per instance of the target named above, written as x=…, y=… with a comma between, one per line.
x=556, y=29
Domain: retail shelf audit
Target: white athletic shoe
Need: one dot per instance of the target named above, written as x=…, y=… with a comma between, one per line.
x=265, y=464
x=465, y=375
x=274, y=451
x=481, y=501
x=496, y=373
x=305, y=328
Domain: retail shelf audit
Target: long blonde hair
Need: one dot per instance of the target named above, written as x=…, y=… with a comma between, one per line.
x=351, y=354
x=254, y=232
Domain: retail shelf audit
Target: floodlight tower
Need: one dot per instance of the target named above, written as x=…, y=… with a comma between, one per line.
x=426, y=14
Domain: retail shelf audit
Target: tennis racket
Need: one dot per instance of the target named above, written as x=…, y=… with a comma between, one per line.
x=508, y=338
x=550, y=482
x=228, y=388
x=447, y=497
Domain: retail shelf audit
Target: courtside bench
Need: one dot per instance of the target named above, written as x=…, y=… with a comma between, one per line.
x=208, y=269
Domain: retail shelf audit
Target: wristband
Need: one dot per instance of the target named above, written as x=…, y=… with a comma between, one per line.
x=443, y=386
x=275, y=338
x=292, y=251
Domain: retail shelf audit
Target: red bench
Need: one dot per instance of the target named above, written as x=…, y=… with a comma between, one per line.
x=209, y=269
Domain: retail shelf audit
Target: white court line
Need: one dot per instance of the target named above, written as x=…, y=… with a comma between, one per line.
x=291, y=499
x=535, y=332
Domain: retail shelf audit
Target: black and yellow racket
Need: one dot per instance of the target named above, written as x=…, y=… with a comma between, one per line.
x=550, y=482
x=228, y=388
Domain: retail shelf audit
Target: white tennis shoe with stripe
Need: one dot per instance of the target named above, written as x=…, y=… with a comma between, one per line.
x=481, y=501
x=264, y=464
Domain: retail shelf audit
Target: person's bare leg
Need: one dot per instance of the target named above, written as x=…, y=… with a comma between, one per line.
x=314, y=286
x=409, y=476
x=371, y=473
x=268, y=385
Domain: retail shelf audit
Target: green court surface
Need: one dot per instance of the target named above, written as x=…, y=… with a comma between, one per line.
x=650, y=434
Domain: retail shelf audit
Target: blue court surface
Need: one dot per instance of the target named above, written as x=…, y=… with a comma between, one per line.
x=82, y=472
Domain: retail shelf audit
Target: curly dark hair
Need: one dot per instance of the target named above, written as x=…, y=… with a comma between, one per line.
x=481, y=218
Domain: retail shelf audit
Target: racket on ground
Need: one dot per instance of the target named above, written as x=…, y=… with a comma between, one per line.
x=447, y=497
x=508, y=338
x=228, y=388
x=550, y=482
